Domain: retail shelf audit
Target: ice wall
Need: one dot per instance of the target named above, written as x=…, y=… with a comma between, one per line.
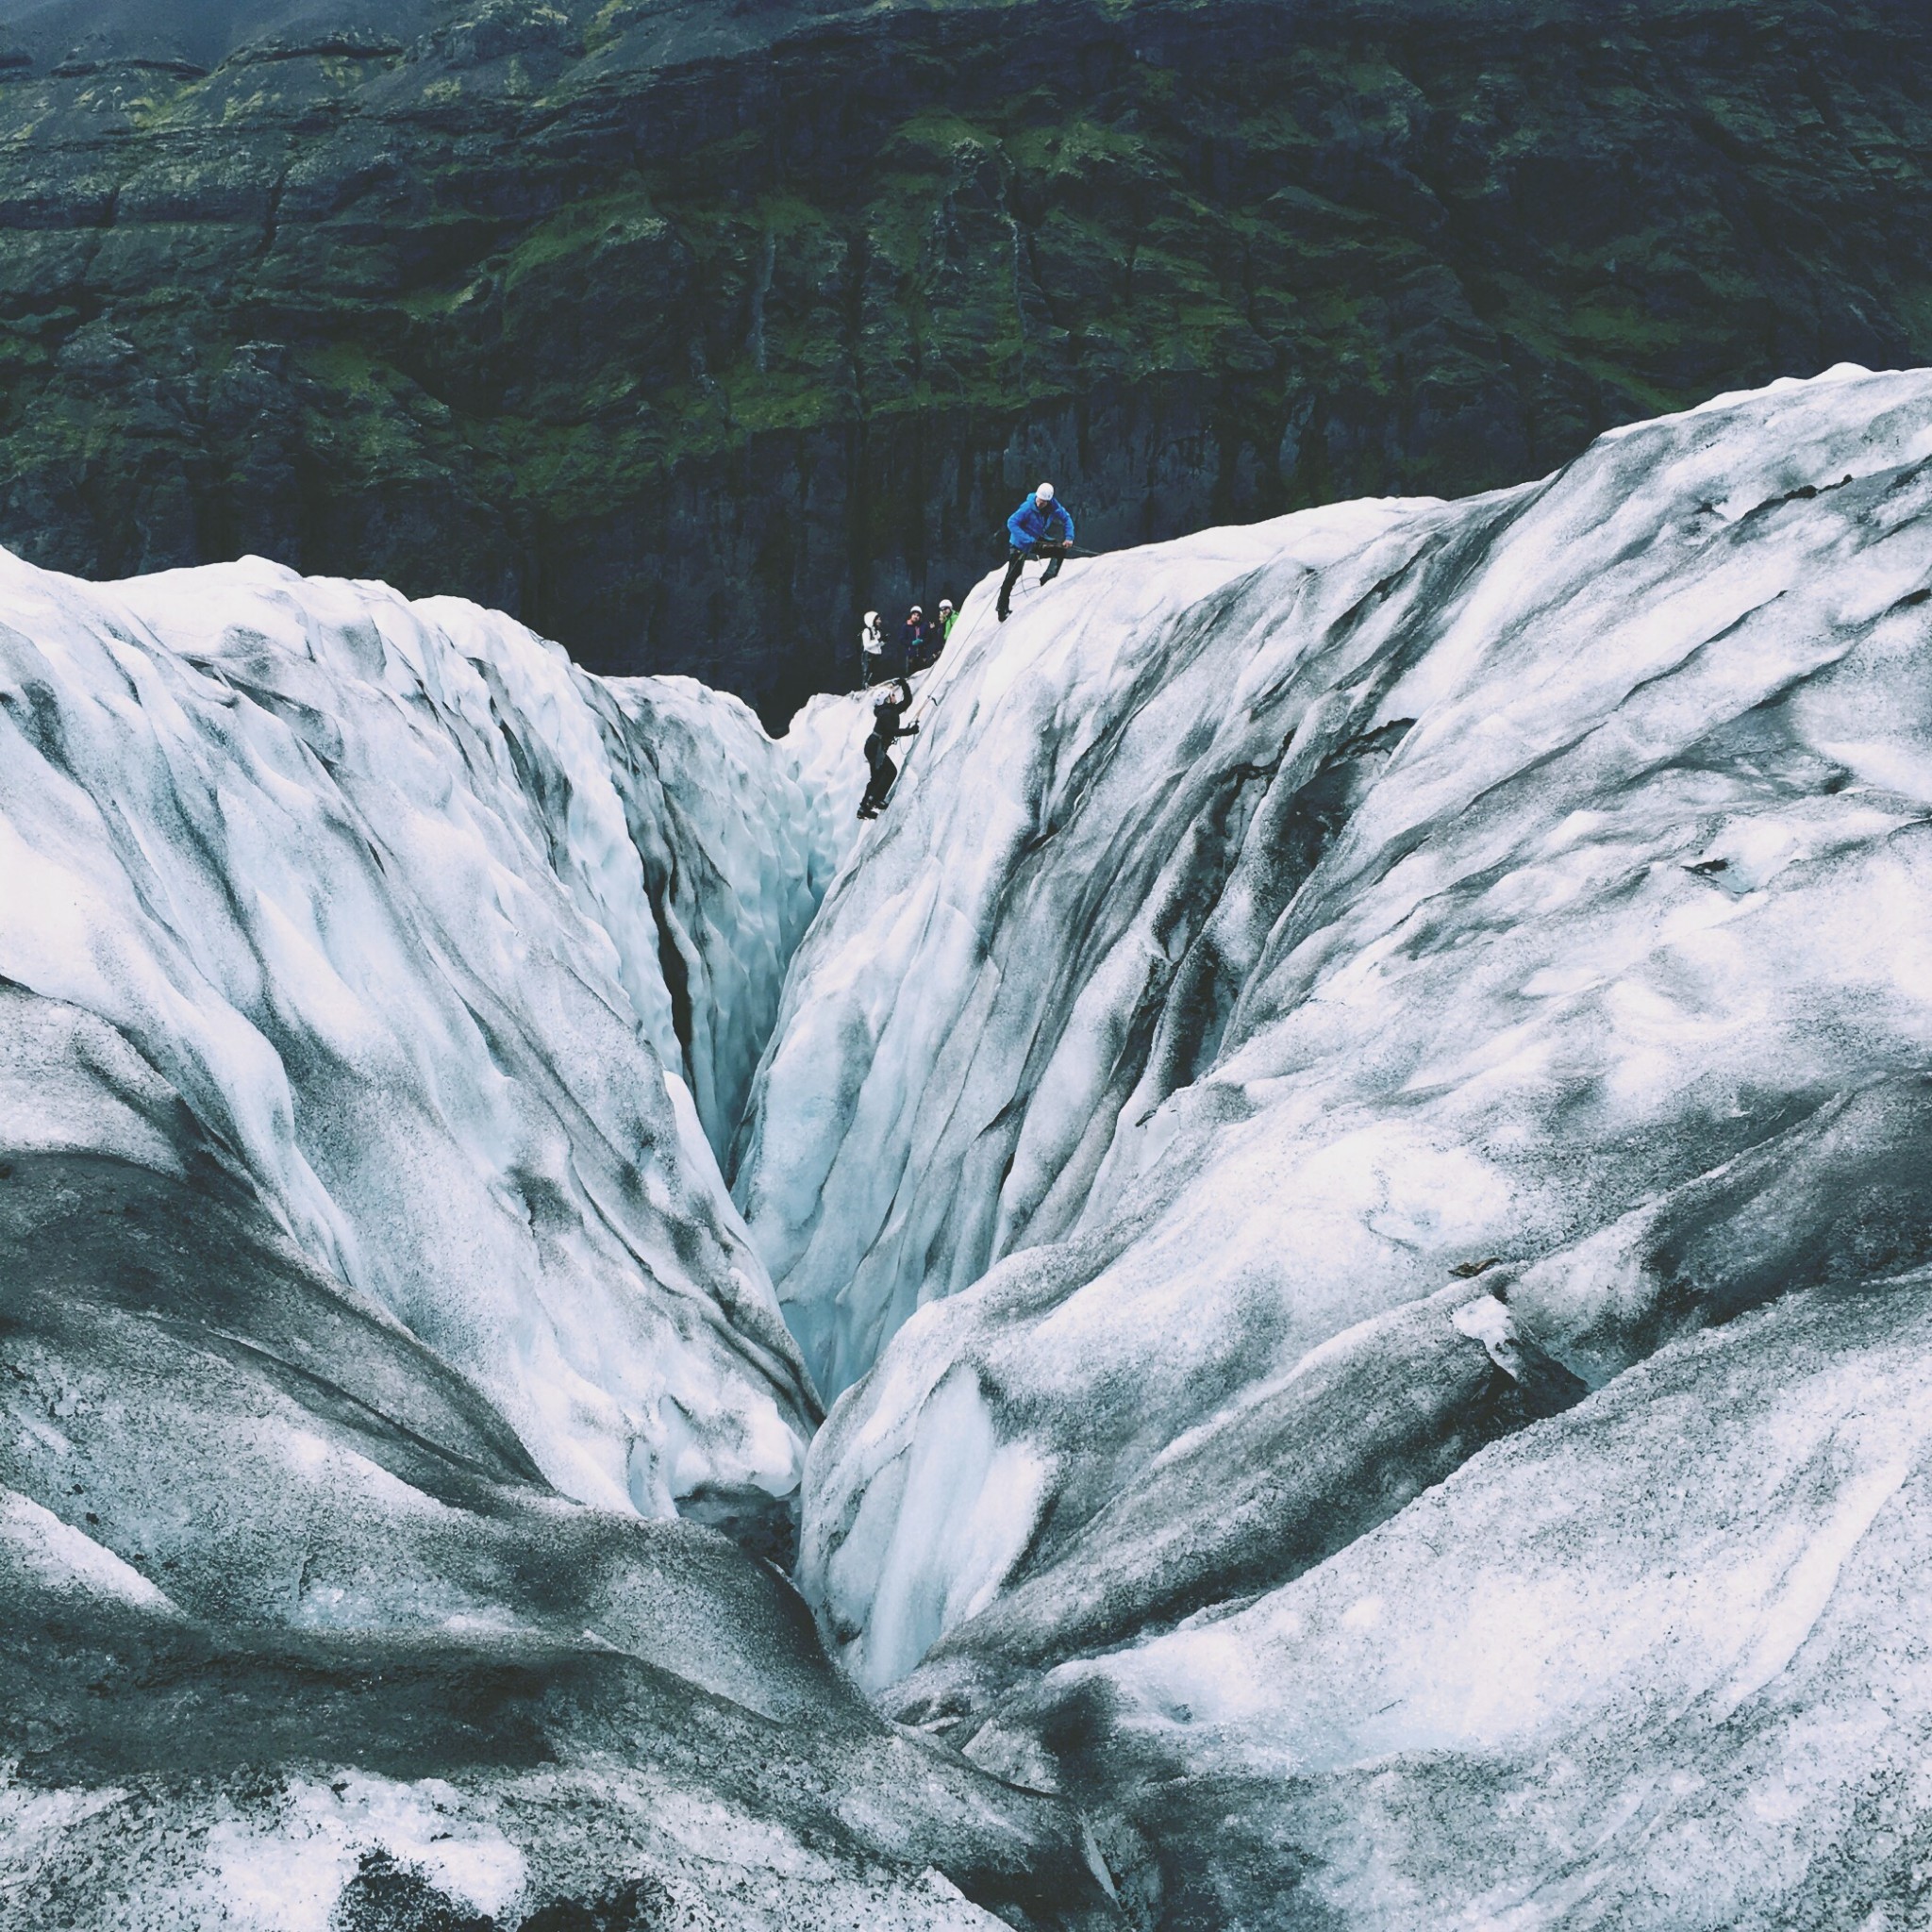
x=1371, y=997
x=733, y=864
x=826, y=742
x=872, y=1157
x=430, y=936
x=368, y=980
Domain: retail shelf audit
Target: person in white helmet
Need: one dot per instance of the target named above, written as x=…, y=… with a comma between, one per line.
x=887, y=730
x=922, y=653
x=1041, y=527
x=932, y=637
x=871, y=649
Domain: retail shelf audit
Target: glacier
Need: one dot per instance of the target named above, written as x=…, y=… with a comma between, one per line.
x=1346, y=1155
x=381, y=1356
x=442, y=951
x=1352, y=1153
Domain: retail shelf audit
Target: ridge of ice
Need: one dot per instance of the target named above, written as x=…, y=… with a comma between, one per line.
x=1327, y=998
x=377, y=902
x=1357, y=1142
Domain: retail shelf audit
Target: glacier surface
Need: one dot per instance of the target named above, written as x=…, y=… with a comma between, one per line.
x=443, y=948
x=1355, y=1145
x=377, y=996
x=1352, y=1149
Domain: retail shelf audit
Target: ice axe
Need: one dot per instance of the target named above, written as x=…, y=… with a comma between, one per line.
x=1043, y=551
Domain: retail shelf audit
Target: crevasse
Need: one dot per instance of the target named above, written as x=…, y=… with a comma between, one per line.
x=1354, y=1143
x=1352, y=1148
x=377, y=996
x=460, y=958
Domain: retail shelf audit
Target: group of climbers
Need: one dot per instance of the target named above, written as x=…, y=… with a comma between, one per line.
x=1040, y=527
x=921, y=640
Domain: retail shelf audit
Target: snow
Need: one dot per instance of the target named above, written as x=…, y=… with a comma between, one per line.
x=377, y=900
x=731, y=871
x=58, y=1558
x=1371, y=1070
x=1353, y=1147
x=1655, y=1656
x=826, y=746
x=956, y=1519
x=822, y=1154
x=380, y=1353
x=826, y=742
x=288, y=1879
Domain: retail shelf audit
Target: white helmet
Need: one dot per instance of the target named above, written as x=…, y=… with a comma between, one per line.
x=945, y=603
x=915, y=611
x=1045, y=493
x=872, y=617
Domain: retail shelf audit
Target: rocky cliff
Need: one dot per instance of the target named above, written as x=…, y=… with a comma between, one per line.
x=683, y=331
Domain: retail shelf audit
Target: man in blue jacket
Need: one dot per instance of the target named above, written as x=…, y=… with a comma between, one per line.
x=1040, y=528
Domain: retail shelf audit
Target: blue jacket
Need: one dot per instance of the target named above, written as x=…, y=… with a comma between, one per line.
x=1029, y=523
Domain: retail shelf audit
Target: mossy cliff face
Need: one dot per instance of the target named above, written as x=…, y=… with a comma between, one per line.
x=687, y=332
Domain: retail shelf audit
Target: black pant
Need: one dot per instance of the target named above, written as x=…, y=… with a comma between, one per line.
x=870, y=663
x=883, y=772
x=1017, y=560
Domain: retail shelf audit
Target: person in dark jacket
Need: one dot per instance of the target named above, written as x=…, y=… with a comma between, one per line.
x=885, y=729
x=932, y=637
x=912, y=641
x=1040, y=528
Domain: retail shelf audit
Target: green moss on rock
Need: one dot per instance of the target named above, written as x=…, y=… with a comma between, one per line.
x=686, y=335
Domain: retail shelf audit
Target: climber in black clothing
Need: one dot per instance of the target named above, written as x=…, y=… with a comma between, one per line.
x=912, y=641
x=886, y=727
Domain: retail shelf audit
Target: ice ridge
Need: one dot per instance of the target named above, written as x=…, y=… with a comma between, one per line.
x=377, y=992
x=1355, y=1143
x=447, y=951
x=1355, y=1147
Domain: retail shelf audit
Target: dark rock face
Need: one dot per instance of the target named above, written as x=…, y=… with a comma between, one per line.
x=686, y=333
